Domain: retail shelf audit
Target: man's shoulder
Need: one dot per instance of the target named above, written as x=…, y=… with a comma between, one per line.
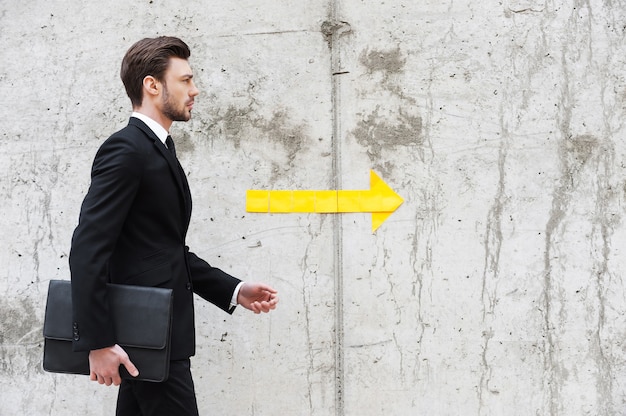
x=130, y=144
x=134, y=128
x=132, y=135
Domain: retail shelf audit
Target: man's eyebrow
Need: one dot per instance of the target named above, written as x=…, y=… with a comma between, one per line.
x=186, y=76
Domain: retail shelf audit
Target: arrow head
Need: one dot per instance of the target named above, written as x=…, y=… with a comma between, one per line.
x=388, y=198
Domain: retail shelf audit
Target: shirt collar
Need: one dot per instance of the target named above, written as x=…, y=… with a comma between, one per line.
x=152, y=125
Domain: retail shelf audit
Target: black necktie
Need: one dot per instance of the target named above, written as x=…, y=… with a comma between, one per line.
x=170, y=145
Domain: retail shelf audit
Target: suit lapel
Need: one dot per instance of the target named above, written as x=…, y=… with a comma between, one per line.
x=181, y=179
x=175, y=168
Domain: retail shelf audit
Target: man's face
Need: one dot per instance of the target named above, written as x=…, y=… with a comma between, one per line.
x=178, y=91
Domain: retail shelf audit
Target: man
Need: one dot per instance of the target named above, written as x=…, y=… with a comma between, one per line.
x=132, y=229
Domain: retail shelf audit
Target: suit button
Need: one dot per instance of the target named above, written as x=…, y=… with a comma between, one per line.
x=188, y=286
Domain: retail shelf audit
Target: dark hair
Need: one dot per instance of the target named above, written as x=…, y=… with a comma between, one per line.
x=149, y=56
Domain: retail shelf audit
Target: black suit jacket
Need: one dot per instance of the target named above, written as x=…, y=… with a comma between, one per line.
x=131, y=230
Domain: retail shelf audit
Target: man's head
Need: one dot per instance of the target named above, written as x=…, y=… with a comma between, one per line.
x=150, y=57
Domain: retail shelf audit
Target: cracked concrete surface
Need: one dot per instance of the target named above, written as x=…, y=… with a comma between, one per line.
x=496, y=288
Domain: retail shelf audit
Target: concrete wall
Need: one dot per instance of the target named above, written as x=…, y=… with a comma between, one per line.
x=497, y=288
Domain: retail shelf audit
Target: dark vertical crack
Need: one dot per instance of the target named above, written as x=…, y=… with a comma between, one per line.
x=333, y=29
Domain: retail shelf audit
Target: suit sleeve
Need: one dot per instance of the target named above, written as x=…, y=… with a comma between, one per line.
x=211, y=283
x=115, y=177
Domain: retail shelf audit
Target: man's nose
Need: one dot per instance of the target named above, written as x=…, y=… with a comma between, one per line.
x=194, y=91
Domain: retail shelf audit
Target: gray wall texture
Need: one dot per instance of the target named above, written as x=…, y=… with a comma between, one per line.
x=497, y=288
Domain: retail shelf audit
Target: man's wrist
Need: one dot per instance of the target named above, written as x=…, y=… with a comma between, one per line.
x=233, y=300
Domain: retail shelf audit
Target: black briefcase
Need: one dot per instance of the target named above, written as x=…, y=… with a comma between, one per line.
x=142, y=318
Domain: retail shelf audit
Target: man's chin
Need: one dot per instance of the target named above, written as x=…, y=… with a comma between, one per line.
x=185, y=117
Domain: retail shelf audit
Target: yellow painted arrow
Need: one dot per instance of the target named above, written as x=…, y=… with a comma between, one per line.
x=380, y=200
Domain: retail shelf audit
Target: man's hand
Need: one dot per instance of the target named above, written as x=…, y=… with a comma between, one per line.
x=257, y=297
x=104, y=365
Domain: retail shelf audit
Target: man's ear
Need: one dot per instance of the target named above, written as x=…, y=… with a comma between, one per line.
x=151, y=86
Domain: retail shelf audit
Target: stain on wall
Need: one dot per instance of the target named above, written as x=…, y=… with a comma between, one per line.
x=184, y=142
x=395, y=122
x=388, y=62
x=577, y=151
x=246, y=127
x=377, y=131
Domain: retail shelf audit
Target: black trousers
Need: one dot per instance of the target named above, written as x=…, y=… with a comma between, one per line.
x=174, y=397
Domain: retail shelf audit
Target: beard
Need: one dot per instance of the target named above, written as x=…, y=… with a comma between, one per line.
x=171, y=111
